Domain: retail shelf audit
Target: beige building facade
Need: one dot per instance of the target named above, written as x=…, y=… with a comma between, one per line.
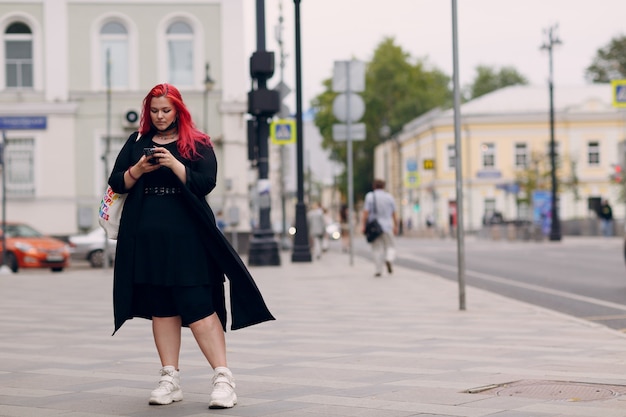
x=501, y=134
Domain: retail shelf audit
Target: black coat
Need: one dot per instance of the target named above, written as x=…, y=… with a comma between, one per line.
x=247, y=305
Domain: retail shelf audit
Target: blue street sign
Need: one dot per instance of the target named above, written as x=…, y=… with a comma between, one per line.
x=23, y=122
x=283, y=131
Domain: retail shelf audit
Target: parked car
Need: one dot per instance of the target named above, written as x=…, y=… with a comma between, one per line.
x=28, y=248
x=90, y=247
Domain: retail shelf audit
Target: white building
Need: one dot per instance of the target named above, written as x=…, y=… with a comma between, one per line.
x=57, y=114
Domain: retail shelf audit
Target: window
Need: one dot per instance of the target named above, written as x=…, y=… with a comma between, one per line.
x=20, y=164
x=114, y=46
x=180, y=54
x=488, y=155
x=521, y=155
x=451, y=156
x=593, y=153
x=18, y=50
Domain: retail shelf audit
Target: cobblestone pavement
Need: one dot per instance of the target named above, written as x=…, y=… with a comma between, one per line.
x=344, y=344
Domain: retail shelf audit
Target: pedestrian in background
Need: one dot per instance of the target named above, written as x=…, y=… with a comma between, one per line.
x=171, y=257
x=381, y=206
x=317, y=228
x=606, y=218
x=344, y=222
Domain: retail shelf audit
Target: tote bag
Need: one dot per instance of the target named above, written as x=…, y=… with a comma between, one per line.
x=110, y=212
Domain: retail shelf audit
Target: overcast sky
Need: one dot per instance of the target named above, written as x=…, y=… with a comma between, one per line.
x=491, y=32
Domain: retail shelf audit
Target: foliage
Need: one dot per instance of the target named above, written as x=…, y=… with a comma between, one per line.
x=489, y=79
x=609, y=62
x=396, y=92
x=538, y=176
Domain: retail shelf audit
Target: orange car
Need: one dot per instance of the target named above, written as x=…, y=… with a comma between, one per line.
x=28, y=248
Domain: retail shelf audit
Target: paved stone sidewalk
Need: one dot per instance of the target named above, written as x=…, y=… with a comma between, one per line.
x=345, y=344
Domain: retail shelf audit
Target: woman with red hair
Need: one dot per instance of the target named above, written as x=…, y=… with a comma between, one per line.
x=171, y=258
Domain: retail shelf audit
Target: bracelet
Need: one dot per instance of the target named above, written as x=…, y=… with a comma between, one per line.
x=131, y=174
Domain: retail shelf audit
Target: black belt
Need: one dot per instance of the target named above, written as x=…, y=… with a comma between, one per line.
x=161, y=190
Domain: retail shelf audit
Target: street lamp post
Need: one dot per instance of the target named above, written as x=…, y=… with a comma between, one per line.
x=301, y=250
x=208, y=86
x=555, y=225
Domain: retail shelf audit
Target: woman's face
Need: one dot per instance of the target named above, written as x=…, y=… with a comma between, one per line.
x=162, y=113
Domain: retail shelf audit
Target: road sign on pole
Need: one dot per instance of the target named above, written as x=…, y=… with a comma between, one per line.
x=283, y=131
x=618, y=88
x=349, y=76
x=341, y=134
x=350, y=101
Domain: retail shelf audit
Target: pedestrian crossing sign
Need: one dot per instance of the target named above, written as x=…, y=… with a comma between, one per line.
x=412, y=179
x=618, y=87
x=283, y=131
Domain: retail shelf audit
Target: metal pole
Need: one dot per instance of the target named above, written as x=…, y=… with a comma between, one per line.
x=4, y=199
x=459, y=171
x=105, y=157
x=350, y=163
x=284, y=244
x=301, y=250
x=555, y=224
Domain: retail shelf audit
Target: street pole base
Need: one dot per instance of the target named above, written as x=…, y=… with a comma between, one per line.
x=263, y=251
x=555, y=237
x=301, y=253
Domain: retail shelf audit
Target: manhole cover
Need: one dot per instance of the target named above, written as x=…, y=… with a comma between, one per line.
x=553, y=390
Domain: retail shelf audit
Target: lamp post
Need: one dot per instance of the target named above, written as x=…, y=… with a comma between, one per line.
x=208, y=86
x=301, y=250
x=555, y=225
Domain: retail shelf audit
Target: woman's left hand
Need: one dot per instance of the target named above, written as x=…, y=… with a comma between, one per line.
x=165, y=158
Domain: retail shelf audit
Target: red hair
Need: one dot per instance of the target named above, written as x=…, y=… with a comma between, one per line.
x=188, y=135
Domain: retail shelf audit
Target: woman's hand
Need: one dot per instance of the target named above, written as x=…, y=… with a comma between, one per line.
x=166, y=159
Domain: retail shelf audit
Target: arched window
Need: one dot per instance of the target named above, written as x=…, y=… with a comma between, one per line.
x=180, y=54
x=18, y=50
x=114, y=46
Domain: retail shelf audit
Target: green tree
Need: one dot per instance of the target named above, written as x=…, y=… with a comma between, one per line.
x=396, y=92
x=489, y=79
x=609, y=62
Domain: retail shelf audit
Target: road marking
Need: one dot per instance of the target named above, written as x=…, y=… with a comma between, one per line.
x=513, y=283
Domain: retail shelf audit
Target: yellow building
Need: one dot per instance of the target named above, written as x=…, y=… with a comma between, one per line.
x=501, y=133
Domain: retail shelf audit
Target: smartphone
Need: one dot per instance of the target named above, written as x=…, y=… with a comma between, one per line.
x=149, y=152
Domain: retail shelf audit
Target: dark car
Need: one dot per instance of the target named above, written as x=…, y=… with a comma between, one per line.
x=28, y=248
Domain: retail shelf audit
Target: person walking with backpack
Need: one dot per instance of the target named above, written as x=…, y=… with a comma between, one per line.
x=380, y=205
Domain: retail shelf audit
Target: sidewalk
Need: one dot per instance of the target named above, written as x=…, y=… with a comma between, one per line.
x=345, y=344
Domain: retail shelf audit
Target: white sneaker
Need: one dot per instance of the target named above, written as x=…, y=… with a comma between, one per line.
x=168, y=390
x=223, y=395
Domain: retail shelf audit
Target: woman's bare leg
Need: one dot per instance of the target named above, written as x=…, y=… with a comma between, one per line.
x=166, y=332
x=209, y=335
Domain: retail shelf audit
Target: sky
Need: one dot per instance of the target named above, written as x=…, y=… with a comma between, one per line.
x=495, y=33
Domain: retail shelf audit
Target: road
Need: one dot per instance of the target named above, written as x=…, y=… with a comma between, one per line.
x=581, y=276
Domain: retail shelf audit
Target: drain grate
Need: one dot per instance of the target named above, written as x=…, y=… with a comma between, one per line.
x=552, y=390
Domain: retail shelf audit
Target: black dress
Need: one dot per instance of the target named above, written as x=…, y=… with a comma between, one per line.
x=171, y=243
x=168, y=245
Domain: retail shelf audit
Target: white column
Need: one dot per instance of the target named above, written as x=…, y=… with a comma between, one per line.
x=235, y=65
x=56, y=47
